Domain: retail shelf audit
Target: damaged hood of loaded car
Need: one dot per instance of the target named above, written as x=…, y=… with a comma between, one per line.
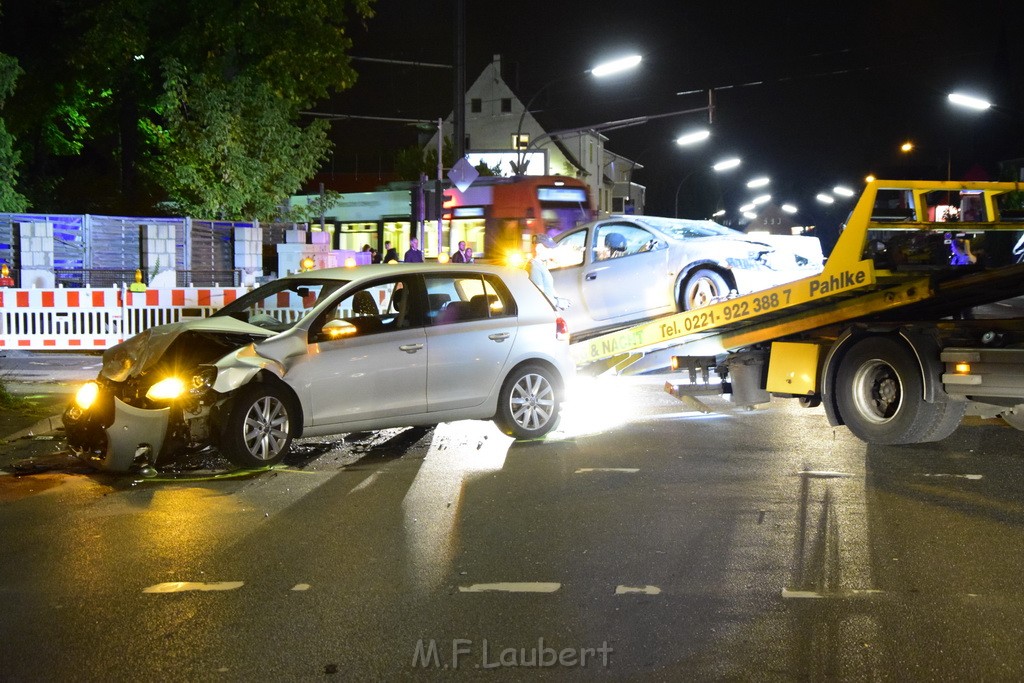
x=191, y=342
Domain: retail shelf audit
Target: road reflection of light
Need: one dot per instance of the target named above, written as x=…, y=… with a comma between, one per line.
x=600, y=404
x=458, y=451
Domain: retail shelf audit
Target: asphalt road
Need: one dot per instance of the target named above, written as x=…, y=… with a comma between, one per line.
x=649, y=539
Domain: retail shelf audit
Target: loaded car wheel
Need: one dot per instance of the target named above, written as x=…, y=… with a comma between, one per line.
x=879, y=394
x=703, y=288
x=258, y=429
x=527, y=405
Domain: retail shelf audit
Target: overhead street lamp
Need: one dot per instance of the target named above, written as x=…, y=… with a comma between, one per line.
x=758, y=182
x=601, y=70
x=969, y=101
x=727, y=164
x=693, y=137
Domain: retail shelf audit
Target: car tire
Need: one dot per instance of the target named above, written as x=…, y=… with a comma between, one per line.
x=880, y=396
x=528, y=404
x=259, y=427
x=702, y=288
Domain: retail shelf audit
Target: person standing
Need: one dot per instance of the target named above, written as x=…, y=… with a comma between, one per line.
x=413, y=255
x=464, y=254
x=390, y=253
x=539, y=273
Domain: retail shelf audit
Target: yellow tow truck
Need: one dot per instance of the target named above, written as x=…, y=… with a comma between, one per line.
x=898, y=336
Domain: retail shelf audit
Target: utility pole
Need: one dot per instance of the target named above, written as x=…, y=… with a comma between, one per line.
x=439, y=190
x=459, y=107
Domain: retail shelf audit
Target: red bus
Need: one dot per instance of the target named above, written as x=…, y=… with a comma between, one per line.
x=498, y=216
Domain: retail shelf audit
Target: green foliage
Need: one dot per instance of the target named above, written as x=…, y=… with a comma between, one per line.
x=311, y=212
x=484, y=170
x=413, y=161
x=95, y=110
x=231, y=150
x=10, y=159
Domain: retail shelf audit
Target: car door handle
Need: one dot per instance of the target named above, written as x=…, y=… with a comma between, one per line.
x=411, y=348
x=498, y=336
x=590, y=276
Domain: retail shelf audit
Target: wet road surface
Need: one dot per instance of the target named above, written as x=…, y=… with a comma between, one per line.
x=642, y=539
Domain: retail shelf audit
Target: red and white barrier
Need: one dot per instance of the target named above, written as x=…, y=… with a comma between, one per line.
x=78, y=319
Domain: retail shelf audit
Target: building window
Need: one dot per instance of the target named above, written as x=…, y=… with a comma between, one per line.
x=521, y=141
x=476, y=105
x=506, y=105
x=467, y=145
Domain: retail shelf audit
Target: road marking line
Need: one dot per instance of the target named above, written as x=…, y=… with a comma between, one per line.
x=972, y=477
x=626, y=470
x=183, y=586
x=301, y=587
x=646, y=590
x=512, y=587
x=824, y=474
x=815, y=595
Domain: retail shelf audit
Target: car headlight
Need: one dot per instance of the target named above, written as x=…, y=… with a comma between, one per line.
x=202, y=380
x=86, y=396
x=166, y=389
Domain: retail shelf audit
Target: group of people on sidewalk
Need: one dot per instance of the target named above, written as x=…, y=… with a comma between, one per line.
x=464, y=254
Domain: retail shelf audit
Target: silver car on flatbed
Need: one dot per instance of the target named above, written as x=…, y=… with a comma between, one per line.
x=327, y=352
x=624, y=269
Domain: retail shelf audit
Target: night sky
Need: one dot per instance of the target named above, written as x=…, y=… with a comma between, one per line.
x=812, y=94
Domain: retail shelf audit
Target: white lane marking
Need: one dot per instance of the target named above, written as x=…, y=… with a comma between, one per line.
x=972, y=477
x=646, y=590
x=512, y=587
x=824, y=474
x=301, y=587
x=626, y=470
x=815, y=595
x=365, y=482
x=183, y=586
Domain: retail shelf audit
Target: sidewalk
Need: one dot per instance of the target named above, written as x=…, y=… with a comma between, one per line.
x=43, y=404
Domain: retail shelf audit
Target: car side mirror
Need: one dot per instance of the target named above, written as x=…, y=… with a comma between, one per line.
x=337, y=329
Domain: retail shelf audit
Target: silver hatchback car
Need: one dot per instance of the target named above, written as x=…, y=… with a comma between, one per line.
x=327, y=352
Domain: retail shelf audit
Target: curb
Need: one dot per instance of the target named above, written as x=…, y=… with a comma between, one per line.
x=47, y=425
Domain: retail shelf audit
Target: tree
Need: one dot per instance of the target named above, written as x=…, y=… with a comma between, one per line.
x=94, y=109
x=232, y=149
x=10, y=198
x=413, y=161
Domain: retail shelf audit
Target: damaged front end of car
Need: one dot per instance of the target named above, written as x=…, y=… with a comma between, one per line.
x=153, y=401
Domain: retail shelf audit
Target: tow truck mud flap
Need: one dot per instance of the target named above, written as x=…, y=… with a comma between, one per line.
x=134, y=428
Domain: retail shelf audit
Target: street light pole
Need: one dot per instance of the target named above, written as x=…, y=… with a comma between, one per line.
x=601, y=70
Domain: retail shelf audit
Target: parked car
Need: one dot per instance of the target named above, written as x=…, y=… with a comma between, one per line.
x=326, y=352
x=626, y=268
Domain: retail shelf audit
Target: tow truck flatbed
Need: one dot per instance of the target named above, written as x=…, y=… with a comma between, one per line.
x=875, y=336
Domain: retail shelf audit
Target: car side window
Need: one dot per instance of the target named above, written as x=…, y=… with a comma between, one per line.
x=372, y=309
x=569, y=251
x=615, y=240
x=455, y=298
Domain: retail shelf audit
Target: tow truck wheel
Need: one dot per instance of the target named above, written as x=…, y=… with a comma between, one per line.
x=703, y=288
x=258, y=430
x=879, y=395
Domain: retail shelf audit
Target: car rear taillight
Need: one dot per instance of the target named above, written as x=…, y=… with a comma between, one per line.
x=561, y=328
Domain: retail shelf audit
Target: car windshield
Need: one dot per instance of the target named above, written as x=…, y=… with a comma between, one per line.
x=687, y=229
x=280, y=304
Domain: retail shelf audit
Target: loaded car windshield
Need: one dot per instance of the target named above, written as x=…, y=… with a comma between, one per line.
x=687, y=229
x=280, y=304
